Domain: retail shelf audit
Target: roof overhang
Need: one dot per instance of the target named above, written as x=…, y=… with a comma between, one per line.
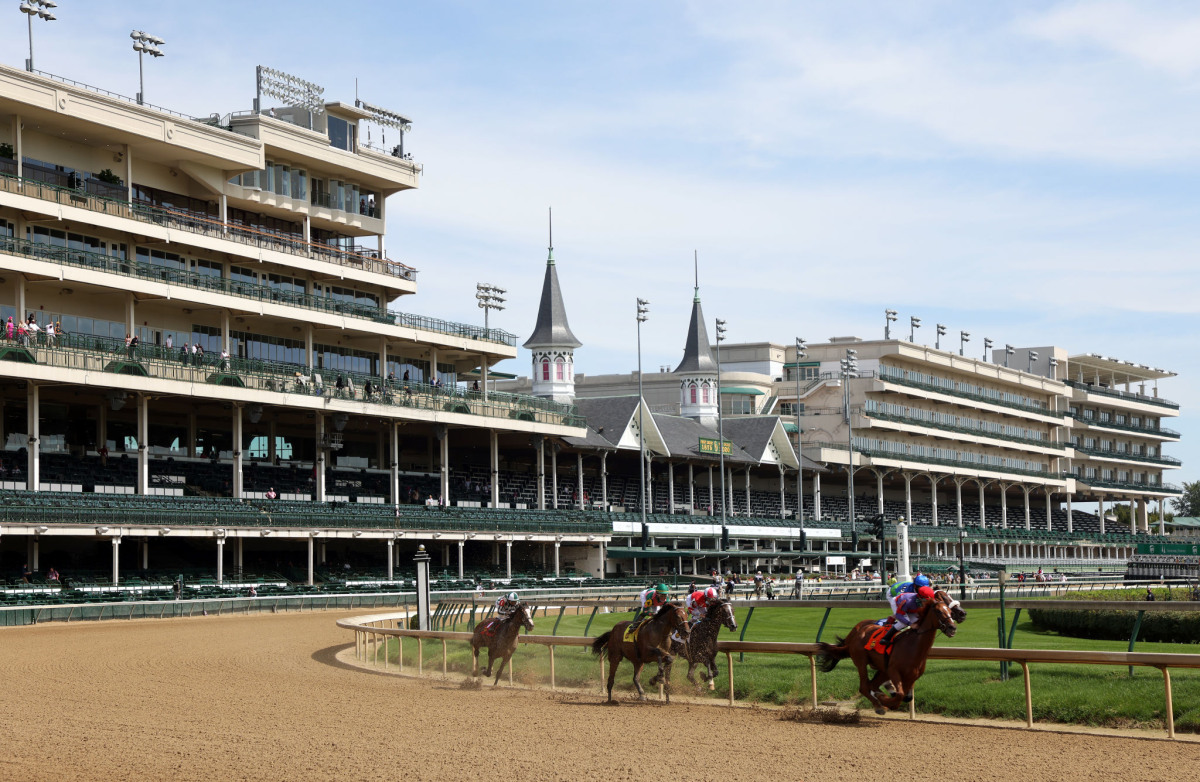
x=1115, y=370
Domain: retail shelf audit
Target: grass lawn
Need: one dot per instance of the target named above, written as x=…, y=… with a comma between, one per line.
x=1081, y=694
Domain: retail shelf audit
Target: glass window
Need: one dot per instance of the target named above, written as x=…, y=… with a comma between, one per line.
x=243, y=275
x=692, y=392
x=545, y=369
x=269, y=177
x=298, y=190
x=207, y=268
x=339, y=132
x=558, y=369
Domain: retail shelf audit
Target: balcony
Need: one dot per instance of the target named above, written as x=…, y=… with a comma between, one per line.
x=186, y=221
x=1117, y=394
x=1161, y=431
x=1137, y=488
x=967, y=426
x=975, y=393
x=108, y=356
x=1167, y=461
x=248, y=291
x=883, y=449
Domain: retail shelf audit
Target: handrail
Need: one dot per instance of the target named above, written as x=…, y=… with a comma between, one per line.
x=206, y=226
x=110, y=94
x=871, y=410
x=150, y=271
x=1126, y=456
x=1157, y=488
x=1114, y=392
x=1097, y=424
x=890, y=374
x=881, y=454
x=101, y=355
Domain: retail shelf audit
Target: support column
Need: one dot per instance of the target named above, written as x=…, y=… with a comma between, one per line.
x=394, y=431
x=879, y=489
x=1162, y=518
x=508, y=559
x=933, y=482
x=143, y=441
x=310, y=558
x=557, y=545
x=33, y=408
x=908, y=479
x=19, y=149
x=579, y=479
x=116, y=560
x=191, y=435
x=982, y=507
x=238, y=441
x=310, y=358
x=1101, y=504
x=494, y=451
x=319, y=464
x=1070, y=518
x=239, y=556
x=1049, y=518
x=691, y=489
x=442, y=431
x=729, y=499
x=391, y=555
x=225, y=214
x=604, y=480
x=128, y=174
x=1003, y=505
x=712, y=502
x=225, y=334
x=541, y=472
x=782, y=495
x=272, y=435
x=670, y=488
x=145, y=554
x=220, y=561
x=554, y=475
x=1026, y=489
x=958, y=500
x=749, y=512
x=34, y=546
x=816, y=495
x=461, y=545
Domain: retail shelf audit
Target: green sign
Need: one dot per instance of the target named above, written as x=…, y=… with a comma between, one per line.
x=1169, y=549
x=710, y=446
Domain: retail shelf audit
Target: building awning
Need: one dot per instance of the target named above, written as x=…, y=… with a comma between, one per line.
x=615, y=552
x=790, y=428
x=1188, y=522
x=476, y=374
x=749, y=391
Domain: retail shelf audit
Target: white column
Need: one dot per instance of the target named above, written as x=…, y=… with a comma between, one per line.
x=982, y=508
x=554, y=475
x=383, y=357
x=879, y=489
x=691, y=489
x=225, y=214
x=116, y=559
x=508, y=559
x=128, y=173
x=670, y=488
x=1026, y=489
x=310, y=559
x=556, y=569
x=933, y=487
x=604, y=480
x=816, y=495
x=239, y=554
x=958, y=500
x=1162, y=518
x=494, y=451
x=461, y=545
x=782, y=497
x=395, y=475
x=579, y=478
x=443, y=435
x=143, y=440
x=541, y=474
x=729, y=500
x=271, y=438
x=237, y=451
x=391, y=568
x=319, y=464
x=483, y=375
x=712, y=502
x=1070, y=518
x=18, y=139
x=22, y=311
x=748, y=511
x=908, y=477
x=220, y=560
x=145, y=554
x=225, y=333
x=310, y=359
x=1101, y=504
x=33, y=408
x=1049, y=518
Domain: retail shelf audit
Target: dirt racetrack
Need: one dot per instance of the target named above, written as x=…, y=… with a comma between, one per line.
x=262, y=698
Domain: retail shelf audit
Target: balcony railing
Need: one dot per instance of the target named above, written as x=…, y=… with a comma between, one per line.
x=924, y=459
x=252, y=291
x=1157, y=488
x=1129, y=457
x=1161, y=431
x=186, y=221
x=974, y=427
x=1130, y=395
x=105, y=355
x=940, y=385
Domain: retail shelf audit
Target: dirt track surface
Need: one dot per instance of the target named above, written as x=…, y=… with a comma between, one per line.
x=263, y=698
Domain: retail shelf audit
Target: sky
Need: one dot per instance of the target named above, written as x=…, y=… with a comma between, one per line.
x=1023, y=171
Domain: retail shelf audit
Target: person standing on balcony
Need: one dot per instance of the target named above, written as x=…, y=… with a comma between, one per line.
x=22, y=334
x=33, y=330
x=50, y=334
x=133, y=345
x=224, y=360
x=183, y=354
x=9, y=329
x=170, y=342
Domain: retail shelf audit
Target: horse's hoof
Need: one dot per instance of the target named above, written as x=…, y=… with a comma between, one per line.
x=908, y=698
x=712, y=685
x=881, y=711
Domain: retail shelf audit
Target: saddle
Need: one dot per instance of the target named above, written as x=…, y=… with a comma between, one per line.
x=875, y=639
x=631, y=632
x=489, y=628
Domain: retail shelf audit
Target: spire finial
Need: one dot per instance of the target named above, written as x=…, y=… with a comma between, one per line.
x=696, y=265
x=550, y=260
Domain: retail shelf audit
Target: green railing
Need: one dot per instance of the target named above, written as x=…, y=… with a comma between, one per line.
x=955, y=463
x=1137, y=488
x=207, y=226
x=1130, y=395
x=871, y=410
x=1129, y=457
x=264, y=293
x=1161, y=431
x=102, y=354
x=939, y=385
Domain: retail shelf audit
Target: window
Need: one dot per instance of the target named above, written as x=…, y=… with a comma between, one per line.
x=351, y=296
x=1104, y=417
x=692, y=390
x=806, y=372
x=268, y=179
x=285, y=284
x=268, y=348
x=737, y=404
x=341, y=133
x=1074, y=411
x=704, y=391
x=240, y=274
x=207, y=268
x=299, y=184
x=1121, y=418
x=283, y=181
x=161, y=258
x=342, y=359
x=558, y=369
x=207, y=337
x=545, y=369
x=1089, y=415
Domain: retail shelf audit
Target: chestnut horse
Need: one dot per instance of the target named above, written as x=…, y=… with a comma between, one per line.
x=653, y=644
x=501, y=643
x=701, y=646
x=903, y=666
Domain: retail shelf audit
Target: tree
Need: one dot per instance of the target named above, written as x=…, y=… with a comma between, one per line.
x=1188, y=504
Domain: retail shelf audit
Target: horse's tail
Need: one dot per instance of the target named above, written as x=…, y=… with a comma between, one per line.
x=831, y=654
x=601, y=643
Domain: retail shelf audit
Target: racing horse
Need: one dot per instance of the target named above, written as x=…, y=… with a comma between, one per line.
x=652, y=643
x=500, y=638
x=957, y=613
x=701, y=646
x=902, y=665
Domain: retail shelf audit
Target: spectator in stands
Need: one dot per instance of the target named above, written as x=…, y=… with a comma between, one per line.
x=104, y=454
x=22, y=335
x=339, y=385
x=391, y=376
x=1149, y=595
x=3, y=469
x=197, y=354
x=253, y=591
x=183, y=354
x=475, y=386
x=271, y=495
x=133, y=345
x=26, y=574
x=9, y=329
x=52, y=576
x=224, y=359
x=170, y=343
x=368, y=390
x=32, y=329
x=50, y=334
x=430, y=502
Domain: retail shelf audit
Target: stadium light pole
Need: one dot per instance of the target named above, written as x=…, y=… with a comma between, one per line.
x=801, y=352
x=941, y=332
x=1008, y=351
x=32, y=8
x=914, y=324
x=963, y=338
x=643, y=313
x=1053, y=368
x=890, y=316
x=144, y=43
x=850, y=370
x=721, y=426
x=987, y=345
x=490, y=298
x=1033, y=356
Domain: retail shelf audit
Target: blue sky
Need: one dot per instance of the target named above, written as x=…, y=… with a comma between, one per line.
x=1024, y=171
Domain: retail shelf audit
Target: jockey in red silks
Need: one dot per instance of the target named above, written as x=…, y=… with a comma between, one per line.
x=908, y=605
x=700, y=601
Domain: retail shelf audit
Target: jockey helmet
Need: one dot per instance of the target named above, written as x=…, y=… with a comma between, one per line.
x=512, y=597
x=921, y=581
x=925, y=592
x=661, y=589
x=712, y=594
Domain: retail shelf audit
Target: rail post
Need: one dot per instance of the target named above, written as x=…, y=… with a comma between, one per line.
x=443, y=658
x=590, y=618
x=552, y=684
x=912, y=703
x=562, y=610
x=824, y=619
x=1170, y=704
x=812, y=670
x=1028, y=695
x=1137, y=627
x=729, y=662
x=742, y=637
x=420, y=657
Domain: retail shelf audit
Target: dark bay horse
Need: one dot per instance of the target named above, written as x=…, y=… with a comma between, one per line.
x=701, y=646
x=902, y=667
x=957, y=613
x=653, y=644
x=502, y=641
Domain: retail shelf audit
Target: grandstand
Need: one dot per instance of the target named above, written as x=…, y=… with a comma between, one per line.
x=210, y=380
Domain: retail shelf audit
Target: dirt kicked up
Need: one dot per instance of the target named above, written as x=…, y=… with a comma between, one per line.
x=263, y=698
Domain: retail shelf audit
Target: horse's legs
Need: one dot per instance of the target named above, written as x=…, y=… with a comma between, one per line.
x=488, y=672
x=500, y=670
x=614, y=660
x=713, y=672
x=866, y=689
x=474, y=661
x=637, y=673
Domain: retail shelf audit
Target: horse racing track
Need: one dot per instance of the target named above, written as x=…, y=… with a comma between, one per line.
x=265, y=697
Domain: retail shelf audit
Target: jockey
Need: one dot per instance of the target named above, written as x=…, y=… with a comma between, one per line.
x=651, y=599
x=906, y=587
x=506, y=604
x=908, y=605
x=700, y=601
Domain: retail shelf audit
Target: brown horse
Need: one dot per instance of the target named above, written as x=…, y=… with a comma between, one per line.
x=653, y=644
x=957, y=613
x=902, y=667
x=701, y=646
x=502, y=641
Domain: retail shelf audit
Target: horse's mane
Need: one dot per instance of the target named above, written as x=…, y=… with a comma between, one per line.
x=668, y=606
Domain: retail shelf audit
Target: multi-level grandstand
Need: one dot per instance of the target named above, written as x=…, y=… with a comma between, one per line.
x=206, y=372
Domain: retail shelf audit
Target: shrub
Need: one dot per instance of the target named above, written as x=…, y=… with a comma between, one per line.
x=1169, y=627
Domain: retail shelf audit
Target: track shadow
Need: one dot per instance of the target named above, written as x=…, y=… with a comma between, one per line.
x=328, y=656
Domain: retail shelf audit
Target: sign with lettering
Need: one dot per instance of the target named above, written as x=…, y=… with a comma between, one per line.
x=710, y=446
x=1177, y=549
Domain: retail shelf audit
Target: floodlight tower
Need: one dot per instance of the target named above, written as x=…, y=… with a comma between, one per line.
x=39, y=8
x=144, y=43
x=490, y=298
x=963, y=338
x=889, y=319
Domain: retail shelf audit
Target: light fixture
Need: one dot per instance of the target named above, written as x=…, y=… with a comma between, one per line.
x=116, y=398
x=1033, y=356
x=941, y=332
x=437, y=534
x=165, y=531
x=293, y=91
x=987, y=346
x=358, y=533
x=963, y=338
x=915, y=323
x=339, y=420
x=43, y=530
x=1053, y=366
x=102, y=530
x=254, y=413
x=144, y=43
x=1008, y=351
x=265, y=532
x=40, y=9
x=890, y=318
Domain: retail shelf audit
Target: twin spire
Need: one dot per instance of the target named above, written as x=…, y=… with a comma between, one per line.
x=552, y=329
x=697, y=351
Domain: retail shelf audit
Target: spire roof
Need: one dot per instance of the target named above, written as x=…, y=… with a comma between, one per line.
x=697, y=352
x=552, y=329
